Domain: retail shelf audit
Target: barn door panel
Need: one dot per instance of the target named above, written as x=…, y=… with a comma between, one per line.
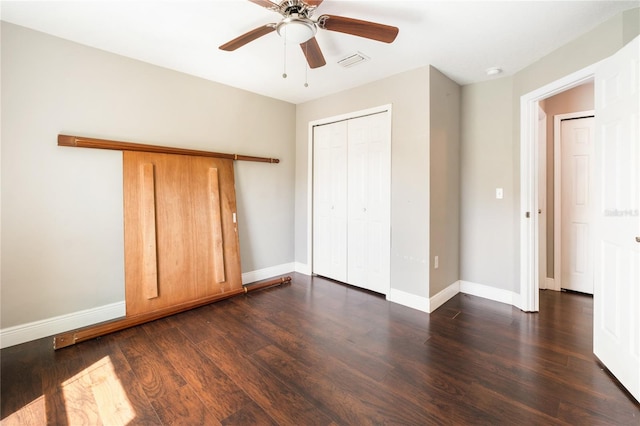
x=181, y=241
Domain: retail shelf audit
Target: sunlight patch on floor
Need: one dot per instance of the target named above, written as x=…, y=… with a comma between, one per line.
x=33, y=413
x=97, y=394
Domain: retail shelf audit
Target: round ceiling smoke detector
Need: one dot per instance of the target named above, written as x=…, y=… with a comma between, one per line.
x=493, y=71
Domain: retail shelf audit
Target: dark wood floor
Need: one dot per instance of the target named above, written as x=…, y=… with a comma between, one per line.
x=318, y=352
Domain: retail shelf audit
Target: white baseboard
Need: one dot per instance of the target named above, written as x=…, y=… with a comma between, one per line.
x=421, y=303
x=38, y=329
x=467, y=287
x=303, y=268
x=441, y=298
x=491, y=293
x=409, y=300
x=263, y=274
x=429, y=305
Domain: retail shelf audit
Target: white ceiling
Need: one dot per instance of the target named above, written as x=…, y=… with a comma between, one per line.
x=460, y=38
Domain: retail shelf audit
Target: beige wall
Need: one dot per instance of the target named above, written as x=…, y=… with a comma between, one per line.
x=487, y=228
x=479, y=99
x=409, y=95
x=444, y=203
x=62, y=231
x=580, y=98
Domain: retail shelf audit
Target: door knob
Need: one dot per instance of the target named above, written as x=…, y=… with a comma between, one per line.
x=637, y=239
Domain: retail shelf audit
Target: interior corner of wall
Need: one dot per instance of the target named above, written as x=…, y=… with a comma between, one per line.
x=443, y=296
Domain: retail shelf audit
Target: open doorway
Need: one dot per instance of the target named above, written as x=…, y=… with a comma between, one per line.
x=530, y=186
x=562, y=232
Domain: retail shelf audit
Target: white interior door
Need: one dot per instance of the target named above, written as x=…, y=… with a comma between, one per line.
x=577, y=152
x=330, y=200
x=369, y=189
x=616, y=339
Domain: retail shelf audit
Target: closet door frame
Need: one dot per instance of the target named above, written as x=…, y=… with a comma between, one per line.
x=355, y=114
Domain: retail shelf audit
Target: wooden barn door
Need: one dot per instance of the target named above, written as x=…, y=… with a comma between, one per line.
x=181, y=240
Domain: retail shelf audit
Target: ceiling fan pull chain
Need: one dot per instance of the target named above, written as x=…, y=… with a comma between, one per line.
x=306, y=68
x=284, y=71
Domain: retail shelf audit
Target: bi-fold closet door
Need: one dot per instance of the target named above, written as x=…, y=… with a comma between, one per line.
x=351, y=201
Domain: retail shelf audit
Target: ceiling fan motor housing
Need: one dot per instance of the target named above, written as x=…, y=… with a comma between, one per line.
x=300, y=8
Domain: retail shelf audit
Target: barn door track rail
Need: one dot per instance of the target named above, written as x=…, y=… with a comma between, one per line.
x=81, y=142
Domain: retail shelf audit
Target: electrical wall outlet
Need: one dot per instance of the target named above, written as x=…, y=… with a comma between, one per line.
x=435, y=262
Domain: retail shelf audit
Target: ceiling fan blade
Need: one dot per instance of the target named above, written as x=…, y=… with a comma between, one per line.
x=315, y=3
x=247, y=37
x=265, y=3
x=312, y=52
x=366, y=29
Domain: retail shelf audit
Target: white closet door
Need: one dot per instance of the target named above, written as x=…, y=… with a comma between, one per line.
x=369, y=188
x=330, y=200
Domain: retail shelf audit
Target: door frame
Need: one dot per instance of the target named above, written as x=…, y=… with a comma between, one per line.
x=529, y=222
x=542, y=193
x=328, y=120
x=557, y=199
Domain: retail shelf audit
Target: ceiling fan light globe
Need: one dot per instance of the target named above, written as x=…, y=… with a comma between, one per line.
x=296, y=29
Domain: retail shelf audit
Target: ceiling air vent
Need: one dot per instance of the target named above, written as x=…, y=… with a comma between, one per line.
x=351, y=60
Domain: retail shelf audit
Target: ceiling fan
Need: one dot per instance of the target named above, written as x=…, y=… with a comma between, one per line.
x=297, y=26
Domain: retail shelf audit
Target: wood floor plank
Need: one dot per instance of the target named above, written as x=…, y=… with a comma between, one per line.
x=251, y=414
x=196, y=324
x=549, y=379
x=216, y=390
x=182, y=406
x=510, y=411
x=580, y=415
x=284, y=405
x=115, y=387
x=487, y=371
x=242, y=329
x=359, y=402
x=68, y=397
x=446, y=398
x=288, y=331
x=154, y=372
